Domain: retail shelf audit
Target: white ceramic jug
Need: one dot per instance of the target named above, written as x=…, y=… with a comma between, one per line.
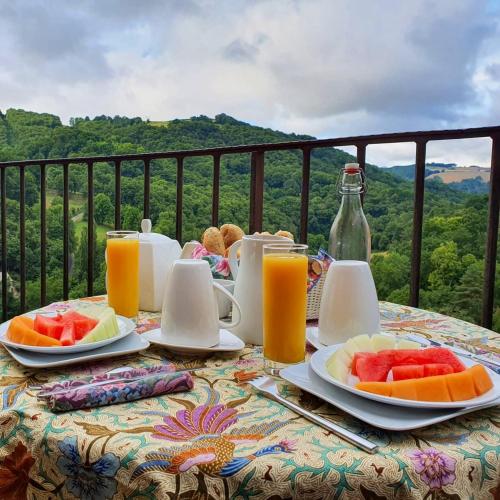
x=248, y=285
x=156, y=254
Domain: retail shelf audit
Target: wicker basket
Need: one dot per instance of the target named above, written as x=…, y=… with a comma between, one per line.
x=314, y=298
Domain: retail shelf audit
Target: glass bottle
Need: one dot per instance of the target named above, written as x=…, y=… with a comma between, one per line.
x=350, y=233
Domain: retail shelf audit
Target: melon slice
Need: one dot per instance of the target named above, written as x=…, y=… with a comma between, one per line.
x=432, y=388
x=482, y=381
x=404, y=389
x=21, y=330
x=461, y=386
x=382, y=388
x=407, y=344
x=381, y=342
x=364, y=343
x=105, y=329
x=338, y=365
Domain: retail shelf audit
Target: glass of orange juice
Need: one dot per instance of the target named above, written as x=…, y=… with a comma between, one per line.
x=284, y=291
x=122, y=279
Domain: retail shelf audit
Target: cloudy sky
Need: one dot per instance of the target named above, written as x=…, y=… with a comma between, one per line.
x=327, y=68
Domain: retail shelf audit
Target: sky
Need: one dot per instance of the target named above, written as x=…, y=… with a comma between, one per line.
x=328, y=68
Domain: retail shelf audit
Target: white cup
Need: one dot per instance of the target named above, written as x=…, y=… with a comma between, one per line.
x=349, y=304
x=189, y=314
x=223, y=302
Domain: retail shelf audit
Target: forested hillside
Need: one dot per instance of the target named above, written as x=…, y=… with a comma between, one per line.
x=454, y=227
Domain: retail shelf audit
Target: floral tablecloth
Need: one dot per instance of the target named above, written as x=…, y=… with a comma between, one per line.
x=223, y=441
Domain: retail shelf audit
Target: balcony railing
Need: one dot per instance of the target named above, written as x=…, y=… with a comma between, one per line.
x=257, y=151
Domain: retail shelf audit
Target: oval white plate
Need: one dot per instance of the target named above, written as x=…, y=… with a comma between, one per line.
x=228, y=343
x=126, y=326
x=318, y=364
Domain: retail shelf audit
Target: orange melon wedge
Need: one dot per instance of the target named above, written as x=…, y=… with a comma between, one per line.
x=458, y=386
x=21, y=331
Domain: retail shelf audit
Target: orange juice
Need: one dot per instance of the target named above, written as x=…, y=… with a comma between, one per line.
x=122, y=256
x=284, y=278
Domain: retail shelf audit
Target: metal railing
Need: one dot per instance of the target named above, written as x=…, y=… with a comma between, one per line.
x=257, y=151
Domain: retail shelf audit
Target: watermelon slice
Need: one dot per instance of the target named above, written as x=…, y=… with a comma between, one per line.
x=358, y=356
x=429, y=355
x=83, y=324
x=373, y=368
x=431, y=369
x=48, y=326
x=68, y=334
x=406, y=372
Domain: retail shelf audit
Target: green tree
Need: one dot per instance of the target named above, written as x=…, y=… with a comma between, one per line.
x=104, y=210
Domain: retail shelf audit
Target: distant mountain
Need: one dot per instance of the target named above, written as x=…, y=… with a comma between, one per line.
x=471, y=179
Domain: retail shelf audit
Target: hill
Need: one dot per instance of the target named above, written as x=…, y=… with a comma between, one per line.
x=454, y=227
x=471, y=179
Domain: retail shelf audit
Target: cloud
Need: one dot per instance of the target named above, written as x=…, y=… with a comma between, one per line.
x=322, y=67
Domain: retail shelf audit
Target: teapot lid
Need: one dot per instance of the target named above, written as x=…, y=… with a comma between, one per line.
x=148, y=236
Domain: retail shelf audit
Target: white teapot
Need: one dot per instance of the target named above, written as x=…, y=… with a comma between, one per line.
x=157, y=252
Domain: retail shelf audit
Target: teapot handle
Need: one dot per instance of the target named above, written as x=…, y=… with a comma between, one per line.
x=230, y=296
x=233, y=259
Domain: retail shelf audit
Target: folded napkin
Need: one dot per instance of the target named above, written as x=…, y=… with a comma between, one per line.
x=113, y=388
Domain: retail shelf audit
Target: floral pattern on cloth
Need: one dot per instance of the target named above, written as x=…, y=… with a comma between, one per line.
x=219, y=265
x=222, y=440
x=116, y=391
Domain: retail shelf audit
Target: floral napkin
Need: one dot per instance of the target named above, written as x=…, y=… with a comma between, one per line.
x=113, y=388
x=219, y=265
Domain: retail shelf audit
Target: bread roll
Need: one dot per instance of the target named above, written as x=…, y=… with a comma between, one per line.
x=286, y=234
x=231, y=233
x=212, y=240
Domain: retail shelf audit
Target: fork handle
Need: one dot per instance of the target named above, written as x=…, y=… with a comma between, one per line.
x=346, y=434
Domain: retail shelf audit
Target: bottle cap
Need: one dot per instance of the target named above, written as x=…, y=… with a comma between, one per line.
x=352, y=168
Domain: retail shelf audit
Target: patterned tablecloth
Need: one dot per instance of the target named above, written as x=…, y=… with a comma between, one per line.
x=223, y=441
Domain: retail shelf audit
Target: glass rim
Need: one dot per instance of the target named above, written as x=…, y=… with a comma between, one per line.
x=120, y=232
x=285, y=246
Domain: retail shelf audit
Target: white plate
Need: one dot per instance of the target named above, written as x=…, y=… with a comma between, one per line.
x=228, y=343
x=392, y=418
x=312, y=336
x=126, y=345
x=318, y=364
x=125, y=325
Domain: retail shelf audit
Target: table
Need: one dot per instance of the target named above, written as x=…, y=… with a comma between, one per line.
x=223, y=441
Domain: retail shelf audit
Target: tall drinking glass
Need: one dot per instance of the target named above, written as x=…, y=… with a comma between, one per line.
x=122, y=259
x=284, y=290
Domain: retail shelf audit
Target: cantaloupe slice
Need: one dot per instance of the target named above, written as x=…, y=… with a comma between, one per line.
x=432, y=389
x=482, y=381
x=461, y=385
x=404, y=389
x=382, y=388
x=21, y=331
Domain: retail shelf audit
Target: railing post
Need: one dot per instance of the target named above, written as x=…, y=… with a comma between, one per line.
x=491, y=244
x=361, y=159
x=418, y=214
x=118, y=195
x=3, y=190
x=43, y=235
x=65, y=230
x=215, y=191
x=147, y=186
x=304, y=194
x=178, y=201
x=256, y=191
x=22, y=237
x=90, y=228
